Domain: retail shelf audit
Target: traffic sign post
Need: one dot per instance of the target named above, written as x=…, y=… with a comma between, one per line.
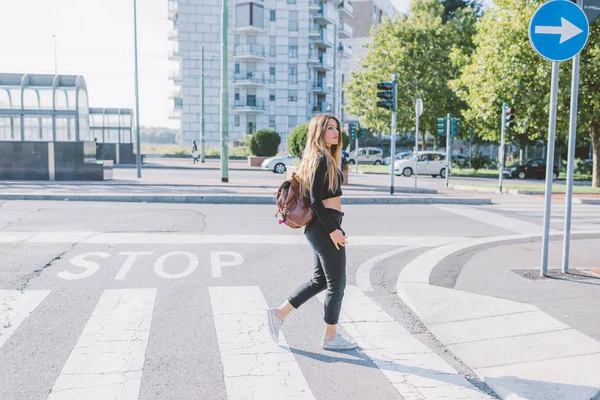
x=558, y=31
x=448, y=150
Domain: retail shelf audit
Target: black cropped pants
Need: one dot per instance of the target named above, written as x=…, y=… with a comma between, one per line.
x=329, y=269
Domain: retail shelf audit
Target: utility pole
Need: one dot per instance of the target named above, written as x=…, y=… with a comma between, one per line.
x=202, y=125
x=224, y=96
x=137, y=97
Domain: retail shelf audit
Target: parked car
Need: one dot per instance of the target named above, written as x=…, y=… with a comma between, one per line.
x=366, y=155
x=428, y=163
x=530, y=169
x=460, y=161
x=279, y=164
x=399, y=156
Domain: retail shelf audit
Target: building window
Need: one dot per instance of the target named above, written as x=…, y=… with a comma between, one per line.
x=272, y=48
x=237, y=120
x=293, y=95
x=292, y=122
x=293, y=52
x=250, y=14
x=291, y=1
x=237, y=68
x=237, y=96
x=272, y=15
x=272, y=122
x=272, y=95
x=293, y=74
x=272, y=74
x=293, y=21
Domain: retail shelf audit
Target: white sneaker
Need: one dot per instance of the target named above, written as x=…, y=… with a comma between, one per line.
x=337, y=343
x=274, y=324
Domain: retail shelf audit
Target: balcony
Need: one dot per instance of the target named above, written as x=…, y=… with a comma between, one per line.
x=176, y=77
x=314, y=31
x=324, y=40
x=345, y=31
x=249, y=105
x=313, y=57
x=345, y=7
x=321, y=107
x=175, y=93
x=324, y=64
x=249, y=29
x=175, y=114
x=320, y=86
x=173, y=10
x=249, y=52
x=314, y=6
x=249, y=79
x=174, y=34
x=174, y=55
x=325, y=15
x=346, y=50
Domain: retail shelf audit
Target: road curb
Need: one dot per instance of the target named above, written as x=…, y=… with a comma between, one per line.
x=235, y=199
x=414, y=289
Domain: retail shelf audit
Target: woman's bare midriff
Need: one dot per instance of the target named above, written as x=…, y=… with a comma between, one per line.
x=334, y=203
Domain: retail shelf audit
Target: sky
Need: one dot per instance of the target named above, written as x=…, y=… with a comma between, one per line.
x=95, y=39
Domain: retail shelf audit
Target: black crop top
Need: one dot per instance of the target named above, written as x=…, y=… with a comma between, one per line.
x=320, y=191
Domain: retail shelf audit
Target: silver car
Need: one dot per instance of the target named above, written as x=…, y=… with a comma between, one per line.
x=279, y=164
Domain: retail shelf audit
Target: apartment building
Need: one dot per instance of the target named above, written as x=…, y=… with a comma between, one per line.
x=282, y=55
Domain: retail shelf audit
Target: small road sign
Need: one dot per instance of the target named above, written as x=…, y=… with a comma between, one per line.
x=558, y=30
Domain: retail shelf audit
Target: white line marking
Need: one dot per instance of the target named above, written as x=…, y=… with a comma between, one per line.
x=363, y=273
x=495, y=219
x=254, y=367
x=108, y=358
x=176, y=239
x=414, y=370
x=15, y=307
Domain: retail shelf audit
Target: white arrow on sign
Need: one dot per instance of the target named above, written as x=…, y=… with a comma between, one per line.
x=566, y=31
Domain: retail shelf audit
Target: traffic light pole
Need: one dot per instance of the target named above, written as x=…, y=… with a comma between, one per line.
x=502, y=138
x=393, y=144
x=448, y=150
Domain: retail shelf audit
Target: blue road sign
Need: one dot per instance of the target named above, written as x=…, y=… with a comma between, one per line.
x=559, y=30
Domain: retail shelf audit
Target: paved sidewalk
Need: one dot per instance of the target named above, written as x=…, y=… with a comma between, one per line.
x=514, y=342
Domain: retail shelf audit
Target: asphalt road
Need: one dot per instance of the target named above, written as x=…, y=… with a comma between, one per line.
x=184, y=278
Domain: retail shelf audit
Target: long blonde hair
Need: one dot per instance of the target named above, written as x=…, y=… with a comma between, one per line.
x=315, y=149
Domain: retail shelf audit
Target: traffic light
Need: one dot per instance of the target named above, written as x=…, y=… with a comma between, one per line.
x=455, y=127
x=352, y=131
x=358, y=132
x=387, y=94
x=509, y=118
x=441, y=126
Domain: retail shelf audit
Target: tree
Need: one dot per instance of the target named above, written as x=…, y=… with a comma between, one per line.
x=265, y=143
x=452, y=6
x=297, y=140
x=417, y=47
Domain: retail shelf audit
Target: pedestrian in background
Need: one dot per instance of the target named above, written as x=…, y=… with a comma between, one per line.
x=321, y=180
x=195, y=152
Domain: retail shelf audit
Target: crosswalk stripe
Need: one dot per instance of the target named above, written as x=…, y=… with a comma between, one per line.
x=108, y=358
x=495, y=219
x=254, y=367
x=411, y=367
x=15, y=307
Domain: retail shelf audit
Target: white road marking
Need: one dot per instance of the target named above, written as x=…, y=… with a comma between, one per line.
x=254, y=367
x=15, y=307
x=363, y=273
x=414, y=370
x=184, y=239
x=495, y=219
x=108, y=358
x=216, y=263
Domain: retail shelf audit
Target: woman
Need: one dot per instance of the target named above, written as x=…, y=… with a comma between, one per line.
x=321, y=179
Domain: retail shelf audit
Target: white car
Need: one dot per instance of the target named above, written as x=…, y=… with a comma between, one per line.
x=366, y=155
x=428, y=163
x=279, y=164
x=399, y=156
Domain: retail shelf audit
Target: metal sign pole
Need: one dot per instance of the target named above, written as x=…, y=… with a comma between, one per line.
x=549, y=166
x=571, y=162
x=502, y=138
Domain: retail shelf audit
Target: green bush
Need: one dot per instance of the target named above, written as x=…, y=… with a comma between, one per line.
x=345, y=140
x=582, y=167
x=265, y=143
x=297, y=140
x=477, y=161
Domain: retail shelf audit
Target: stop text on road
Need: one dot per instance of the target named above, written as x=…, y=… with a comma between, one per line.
x=559, y=30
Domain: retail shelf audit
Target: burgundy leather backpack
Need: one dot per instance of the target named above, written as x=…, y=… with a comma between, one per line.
x=295, y=209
